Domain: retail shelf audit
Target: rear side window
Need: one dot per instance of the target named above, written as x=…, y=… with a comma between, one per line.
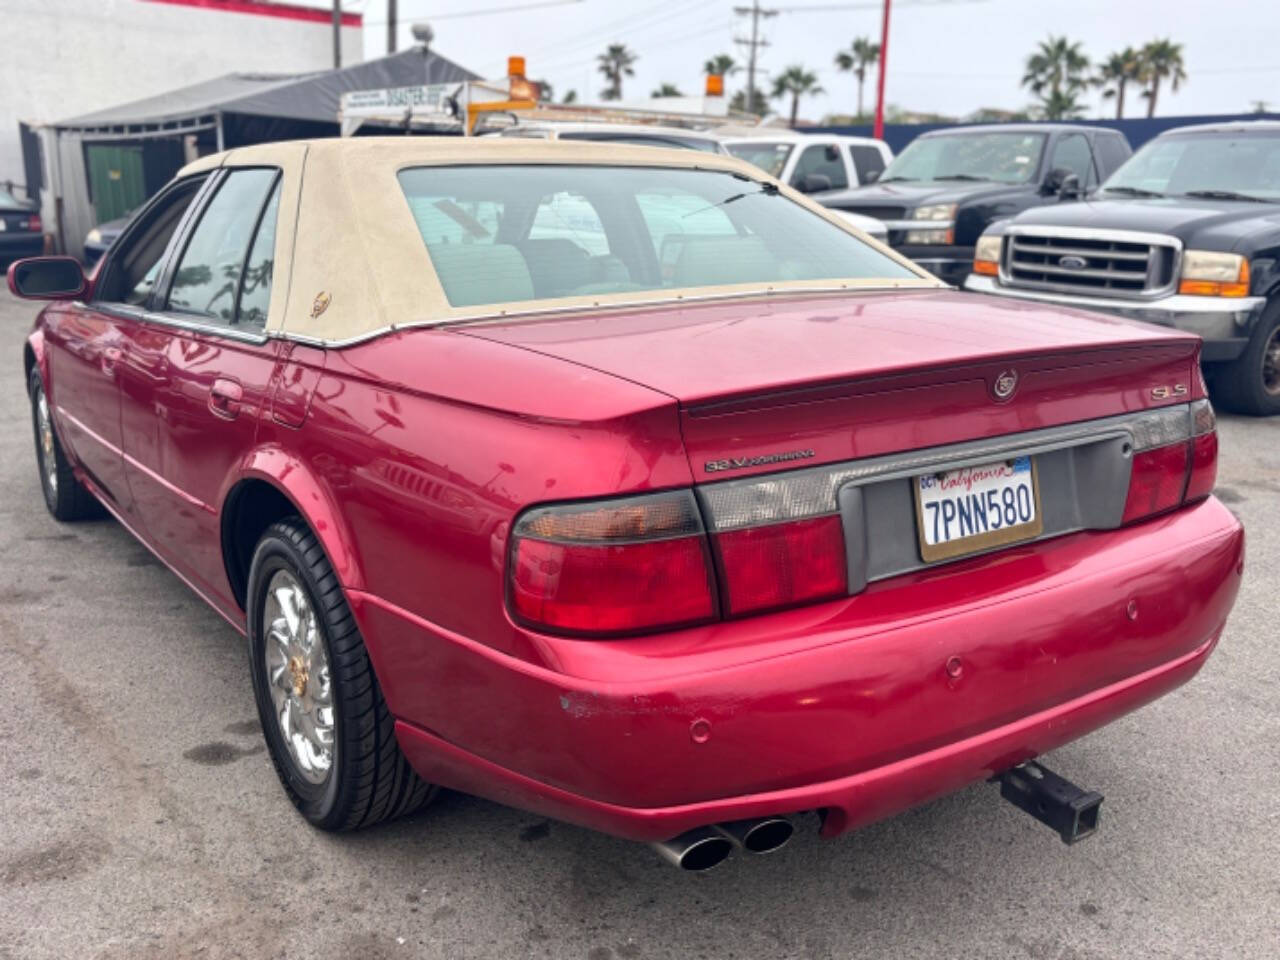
x=868, y=161
x=1111, y=152
x=824, y=160
x=545, y=231
x=207, y=280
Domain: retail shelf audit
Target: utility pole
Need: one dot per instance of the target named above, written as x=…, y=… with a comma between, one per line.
x=878, y=130
x=391, y=26
x=755, y=11
x=337, y=34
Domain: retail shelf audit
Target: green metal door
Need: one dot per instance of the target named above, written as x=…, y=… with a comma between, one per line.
x=115, y=180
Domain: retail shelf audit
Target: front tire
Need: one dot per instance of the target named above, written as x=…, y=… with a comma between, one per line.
x=1251, y=383
x=65, y=496
x=327, y=727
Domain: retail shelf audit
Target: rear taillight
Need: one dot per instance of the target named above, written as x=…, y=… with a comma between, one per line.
x=1175, y=460
x=614, y=566
x=782, y=564
x=32, y=223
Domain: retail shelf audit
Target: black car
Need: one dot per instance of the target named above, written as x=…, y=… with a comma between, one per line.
x=100, y=238
x=21, y=233
x=946, y=187
x=1186, y=234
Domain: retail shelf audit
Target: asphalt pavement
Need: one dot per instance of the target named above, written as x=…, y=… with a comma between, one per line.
x=140, y=816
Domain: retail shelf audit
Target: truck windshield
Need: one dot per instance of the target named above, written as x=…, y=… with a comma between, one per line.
x=504, y=234
x=1213, y=164
x=768, y=156
x=1003, y=157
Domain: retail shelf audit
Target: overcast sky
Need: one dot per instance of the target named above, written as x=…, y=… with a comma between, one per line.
x=946, y=56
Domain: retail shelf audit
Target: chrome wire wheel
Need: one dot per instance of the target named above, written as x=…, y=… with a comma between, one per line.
x=297, y=670
x=45, y=444
x=1271, y=364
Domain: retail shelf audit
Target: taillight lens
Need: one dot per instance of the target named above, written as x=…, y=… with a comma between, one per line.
x=616, y=566
x=1175, y=460
x=782, y=564
x=32, y=223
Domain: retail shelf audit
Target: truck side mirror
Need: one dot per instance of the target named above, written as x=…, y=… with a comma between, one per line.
x=47, y=278
x=815, y=183
x=1069, y=189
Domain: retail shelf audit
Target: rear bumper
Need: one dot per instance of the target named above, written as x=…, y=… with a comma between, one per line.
x=847, y=707
x=1223, y=323
x=14, y=246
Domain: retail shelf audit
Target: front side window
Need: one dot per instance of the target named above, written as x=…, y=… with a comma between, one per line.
x=207, y=279
x=1071, y=153
x=546, y=231
x=769, y=157
x=1217, y=163
x=1002, y=157
x=134, y=266
x=823, y=160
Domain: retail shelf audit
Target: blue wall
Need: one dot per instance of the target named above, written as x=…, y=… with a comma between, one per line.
x=1137, y=130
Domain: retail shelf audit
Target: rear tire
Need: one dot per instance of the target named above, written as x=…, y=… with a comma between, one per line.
x=327, y=727
x=1251, y=383
x=66, y=497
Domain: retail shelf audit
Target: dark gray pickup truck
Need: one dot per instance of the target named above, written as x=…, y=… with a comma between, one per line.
x=1185, y=234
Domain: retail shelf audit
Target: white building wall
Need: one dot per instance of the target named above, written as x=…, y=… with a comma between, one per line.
x=61, y=58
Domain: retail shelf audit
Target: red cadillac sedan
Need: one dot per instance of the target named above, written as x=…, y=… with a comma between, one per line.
x=628, y=486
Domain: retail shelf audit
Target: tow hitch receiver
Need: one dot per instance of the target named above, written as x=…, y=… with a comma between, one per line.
x=1056, y=802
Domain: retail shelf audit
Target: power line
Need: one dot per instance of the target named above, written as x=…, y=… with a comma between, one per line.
x=513, y=8
x=753, y=46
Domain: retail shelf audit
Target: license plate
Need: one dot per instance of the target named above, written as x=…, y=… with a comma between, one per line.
x=977, y=508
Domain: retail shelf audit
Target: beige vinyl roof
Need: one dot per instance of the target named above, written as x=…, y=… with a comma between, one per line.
x=351, y=262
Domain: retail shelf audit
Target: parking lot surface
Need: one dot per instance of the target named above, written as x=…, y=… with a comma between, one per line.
x=140, y=816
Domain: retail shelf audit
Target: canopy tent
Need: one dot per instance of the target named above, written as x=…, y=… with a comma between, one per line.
x=158, y=134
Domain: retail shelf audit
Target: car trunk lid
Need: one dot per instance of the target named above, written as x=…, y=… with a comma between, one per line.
x=764, y=384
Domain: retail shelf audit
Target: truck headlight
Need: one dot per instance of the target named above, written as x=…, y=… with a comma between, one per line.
x=986, y=255
x=943, y=230
x=94, y=237
x=1209, y=274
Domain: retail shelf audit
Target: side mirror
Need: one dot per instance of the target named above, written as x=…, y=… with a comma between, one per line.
x=1053, y=181
x=1069, y=189
x=815, y=183
x=872, y=176
x=47, y=278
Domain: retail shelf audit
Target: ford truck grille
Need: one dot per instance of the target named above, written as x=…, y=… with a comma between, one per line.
x=1097, y=262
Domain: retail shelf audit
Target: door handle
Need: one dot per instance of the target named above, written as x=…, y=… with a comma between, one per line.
x=224, y=398
x=110, y=357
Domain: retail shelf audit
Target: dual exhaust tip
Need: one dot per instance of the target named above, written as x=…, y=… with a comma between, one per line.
x=705, y=847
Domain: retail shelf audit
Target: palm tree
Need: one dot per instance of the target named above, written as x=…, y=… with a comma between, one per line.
x=721, y=65
x=1061, y=105
x=1163, y=60
x=1117, y=71
x=667, y=90
x=858, y=59
x=795, y=81
x=615, y=63
x=1055, y=73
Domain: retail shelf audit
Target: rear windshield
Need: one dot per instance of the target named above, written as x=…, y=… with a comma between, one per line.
x=501, y=234
x=769, y=157
x=1247, y=164
x=1003, y=157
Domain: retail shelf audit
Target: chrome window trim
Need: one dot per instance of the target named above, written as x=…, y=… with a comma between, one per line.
x=184, y=322
x=1091, y=233
x=921, y=284
x=813, y=491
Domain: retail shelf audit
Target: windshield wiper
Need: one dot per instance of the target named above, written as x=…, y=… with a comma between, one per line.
x=1133, y=191
x=768, y=189
x=1223, y=195
x=895, y=179
x=959, y=176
